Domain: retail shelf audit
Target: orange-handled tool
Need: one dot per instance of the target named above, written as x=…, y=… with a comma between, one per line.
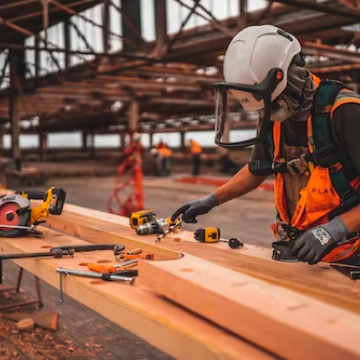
x=112, y=268
x=145, y=256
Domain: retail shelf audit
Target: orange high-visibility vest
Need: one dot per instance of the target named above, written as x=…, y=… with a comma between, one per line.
x=166, y=152
x=195, y=147
x=319, y=197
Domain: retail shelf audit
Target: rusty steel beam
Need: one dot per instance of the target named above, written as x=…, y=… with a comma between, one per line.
x=82, y=37
x=129, y=23
x=40, y=13
x=322, y=8
x=177, y=36
x=180, y=74
x=131, y=14
x=330, y=51
x=160, y=27
x=106, y=25
x=336, y=69
x=75, y=52
x=26, y=32
x=73, y=12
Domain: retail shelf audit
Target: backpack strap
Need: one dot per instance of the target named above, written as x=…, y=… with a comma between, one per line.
x=265, y=167
x=327, y=152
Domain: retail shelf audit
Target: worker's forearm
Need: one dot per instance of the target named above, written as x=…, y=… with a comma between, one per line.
x=351, y=219
x=243, y=182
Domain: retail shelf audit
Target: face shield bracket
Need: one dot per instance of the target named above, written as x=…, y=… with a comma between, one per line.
x=259, y=91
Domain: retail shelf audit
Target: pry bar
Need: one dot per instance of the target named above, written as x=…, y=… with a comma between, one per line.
x=106, y=277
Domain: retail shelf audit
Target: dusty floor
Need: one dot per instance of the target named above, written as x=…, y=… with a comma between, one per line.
x=83, y=334
x=248, y=219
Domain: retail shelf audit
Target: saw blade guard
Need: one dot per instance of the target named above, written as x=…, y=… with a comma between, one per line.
x=14, y=211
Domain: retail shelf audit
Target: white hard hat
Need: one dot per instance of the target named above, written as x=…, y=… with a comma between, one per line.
x=252, y=53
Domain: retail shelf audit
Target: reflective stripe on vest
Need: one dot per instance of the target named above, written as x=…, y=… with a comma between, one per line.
x=319, y=197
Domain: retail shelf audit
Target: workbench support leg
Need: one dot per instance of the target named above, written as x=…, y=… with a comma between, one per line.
x=21, y=271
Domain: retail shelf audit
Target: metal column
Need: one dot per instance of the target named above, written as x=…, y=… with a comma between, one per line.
x=17, y=73
x=132, y=10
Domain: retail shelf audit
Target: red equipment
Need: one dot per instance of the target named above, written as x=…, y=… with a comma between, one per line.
x=129, y=176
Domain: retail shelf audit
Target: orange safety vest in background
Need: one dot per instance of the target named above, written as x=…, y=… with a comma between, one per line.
x=195, y=148
x=165, y=152
x=318, y=198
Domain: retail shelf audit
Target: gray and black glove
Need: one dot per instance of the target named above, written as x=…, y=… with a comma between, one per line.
x=317, y=242
x=194, y=208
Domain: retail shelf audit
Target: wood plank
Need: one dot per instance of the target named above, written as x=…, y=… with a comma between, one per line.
x=165, y=325
x=319, y=280
x=284, y=322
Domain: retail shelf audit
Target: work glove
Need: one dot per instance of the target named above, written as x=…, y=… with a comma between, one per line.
x=317, y=242
x=194, y=208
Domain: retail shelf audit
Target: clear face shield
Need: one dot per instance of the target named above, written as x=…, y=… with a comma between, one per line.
x=241, y=107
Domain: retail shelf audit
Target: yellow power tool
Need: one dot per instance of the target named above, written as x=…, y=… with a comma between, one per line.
x=18, y=216
x=141, y=217
x=212, y=235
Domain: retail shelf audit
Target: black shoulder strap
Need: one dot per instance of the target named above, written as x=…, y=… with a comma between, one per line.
x=265, y=167
x=328, y=152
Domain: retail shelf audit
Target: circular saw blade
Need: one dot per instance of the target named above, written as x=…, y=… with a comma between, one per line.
x=10, y=215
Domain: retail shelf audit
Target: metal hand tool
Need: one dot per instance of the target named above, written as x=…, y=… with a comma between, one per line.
x=171, y=228
x=106, y=277
x=60, y=251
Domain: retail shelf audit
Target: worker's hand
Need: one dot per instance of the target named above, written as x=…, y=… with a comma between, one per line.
x=317, y=242
x=194, y=208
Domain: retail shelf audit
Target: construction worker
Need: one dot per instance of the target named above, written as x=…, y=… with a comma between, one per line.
x=165, y=154
x=162, y=155
x=195, y=150
x=308, y=137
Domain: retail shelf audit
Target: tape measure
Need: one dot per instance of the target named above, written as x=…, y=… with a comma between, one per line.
x=207, y=234
x=212, y=235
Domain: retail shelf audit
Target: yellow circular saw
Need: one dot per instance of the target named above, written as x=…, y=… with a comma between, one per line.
x=17, y=217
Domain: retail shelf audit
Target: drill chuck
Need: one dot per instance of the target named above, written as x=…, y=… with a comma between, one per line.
x=157, y=226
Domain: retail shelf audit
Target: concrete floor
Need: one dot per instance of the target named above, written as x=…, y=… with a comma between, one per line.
x=247, y=219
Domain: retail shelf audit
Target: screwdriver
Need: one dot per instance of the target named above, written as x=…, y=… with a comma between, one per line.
x=112, y=268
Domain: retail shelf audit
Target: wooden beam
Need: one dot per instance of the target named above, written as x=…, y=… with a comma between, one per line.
x=174, y=330
x=318, y=281
x=291, y=325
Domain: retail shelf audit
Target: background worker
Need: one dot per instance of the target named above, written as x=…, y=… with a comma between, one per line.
x=195, y=151
x=308, y=137
x=165, y=154
x=162, y=155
